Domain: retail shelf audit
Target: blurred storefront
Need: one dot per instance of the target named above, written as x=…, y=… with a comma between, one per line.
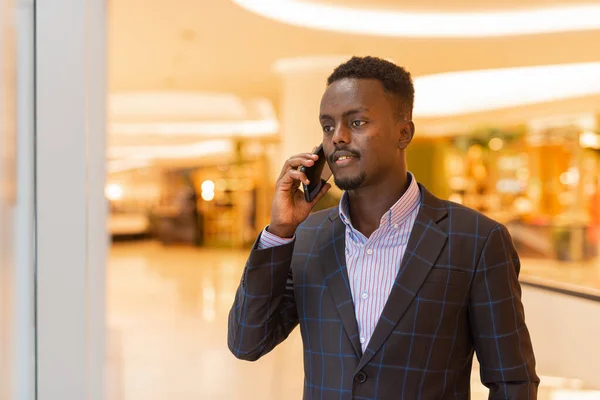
x=200, y=203
x=540, y=178
x=220, y=205
x=190, y=167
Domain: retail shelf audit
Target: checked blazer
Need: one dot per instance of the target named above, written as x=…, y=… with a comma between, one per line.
x=456, y=293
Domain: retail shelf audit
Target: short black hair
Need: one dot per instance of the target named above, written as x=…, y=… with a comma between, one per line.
x=395, y=80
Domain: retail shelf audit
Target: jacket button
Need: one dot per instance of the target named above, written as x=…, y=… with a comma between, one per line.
x=361, y=377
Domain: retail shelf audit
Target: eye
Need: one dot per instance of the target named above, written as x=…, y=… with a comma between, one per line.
x=328, y=128
x=358, y=123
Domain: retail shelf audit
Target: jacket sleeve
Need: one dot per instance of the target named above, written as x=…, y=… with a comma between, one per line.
x=497, y=319
x=264, y=310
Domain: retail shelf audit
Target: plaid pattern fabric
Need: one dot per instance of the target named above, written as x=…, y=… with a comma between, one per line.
x=457, y=292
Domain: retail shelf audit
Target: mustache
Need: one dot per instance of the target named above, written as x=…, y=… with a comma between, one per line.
x=342, y=152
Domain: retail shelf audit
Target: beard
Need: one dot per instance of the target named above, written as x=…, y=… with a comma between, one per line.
x=350, y=183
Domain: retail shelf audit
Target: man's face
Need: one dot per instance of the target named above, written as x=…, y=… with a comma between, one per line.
x=363, y=137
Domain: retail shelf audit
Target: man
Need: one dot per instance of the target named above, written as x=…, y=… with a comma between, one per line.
x=394, y=289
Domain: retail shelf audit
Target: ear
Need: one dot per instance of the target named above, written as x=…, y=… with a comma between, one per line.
x=406, y=135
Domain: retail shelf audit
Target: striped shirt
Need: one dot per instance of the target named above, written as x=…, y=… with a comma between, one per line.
x=373, y=262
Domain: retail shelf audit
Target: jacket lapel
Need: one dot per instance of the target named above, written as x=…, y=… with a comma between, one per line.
x=336, y=276
x=424, y=246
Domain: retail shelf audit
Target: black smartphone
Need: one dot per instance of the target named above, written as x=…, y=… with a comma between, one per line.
x=318, y=175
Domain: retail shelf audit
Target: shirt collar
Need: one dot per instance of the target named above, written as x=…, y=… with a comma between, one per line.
x=397, y=214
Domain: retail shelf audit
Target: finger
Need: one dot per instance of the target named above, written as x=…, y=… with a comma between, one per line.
x=322, y=193
x=299, y=176
x=298, y=160
x=291, y=180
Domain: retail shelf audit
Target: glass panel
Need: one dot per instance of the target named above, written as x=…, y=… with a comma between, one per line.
x=7, y=195
x=16, y=200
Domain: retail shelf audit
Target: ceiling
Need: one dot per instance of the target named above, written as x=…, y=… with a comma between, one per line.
x=214, y=45
x=217, y=46
x=448, y=6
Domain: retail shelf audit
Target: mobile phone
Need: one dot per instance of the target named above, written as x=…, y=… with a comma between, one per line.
x=318, y=175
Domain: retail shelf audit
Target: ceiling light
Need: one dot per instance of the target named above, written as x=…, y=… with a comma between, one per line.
x=590, y=140
x=126, y=158
x=208, y=186
x=201, y=149
x=190, y=114
x=207, y=128
x=496, y=144
x=115, y=166
x=208, y=196
x=464, y=92
x=456, y=93
x=427, y=24
x=126, y=106
x=114, y=192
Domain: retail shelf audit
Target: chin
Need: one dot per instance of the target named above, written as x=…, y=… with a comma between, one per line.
x=349, y=182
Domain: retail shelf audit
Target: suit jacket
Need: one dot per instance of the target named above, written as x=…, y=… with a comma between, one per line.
x=456, y=293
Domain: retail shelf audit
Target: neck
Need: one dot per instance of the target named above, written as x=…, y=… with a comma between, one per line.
x=368, y=204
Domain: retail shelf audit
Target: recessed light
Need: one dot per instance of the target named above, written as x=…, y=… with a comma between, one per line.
x=427, y=24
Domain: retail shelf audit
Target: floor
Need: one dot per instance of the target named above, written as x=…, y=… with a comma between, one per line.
x=167, y=316
x=576, y=276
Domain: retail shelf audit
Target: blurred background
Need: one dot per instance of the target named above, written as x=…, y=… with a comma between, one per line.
x=207, y=98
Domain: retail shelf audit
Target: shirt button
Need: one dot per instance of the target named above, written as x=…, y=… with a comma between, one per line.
x=365, y=295
x=362, y=340
x=370, y=251
x=396, y=226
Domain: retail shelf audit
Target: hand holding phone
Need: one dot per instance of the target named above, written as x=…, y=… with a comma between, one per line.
x=290, y=207
x=318, y=174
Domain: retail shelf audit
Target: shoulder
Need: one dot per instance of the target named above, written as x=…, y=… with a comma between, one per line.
x=476, y=233
x=463, y=219
x=454, y=218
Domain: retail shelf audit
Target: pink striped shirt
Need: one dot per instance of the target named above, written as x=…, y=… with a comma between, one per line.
x=373, y=262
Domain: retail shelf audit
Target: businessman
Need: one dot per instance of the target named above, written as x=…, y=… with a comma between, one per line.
x=395, y=289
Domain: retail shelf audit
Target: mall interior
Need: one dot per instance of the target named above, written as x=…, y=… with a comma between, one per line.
x=206, y=99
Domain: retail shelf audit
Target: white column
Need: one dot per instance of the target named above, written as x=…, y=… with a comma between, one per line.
x=71, y=210
x=304, y=81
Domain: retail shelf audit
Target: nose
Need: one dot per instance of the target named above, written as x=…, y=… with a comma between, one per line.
x=341, y=135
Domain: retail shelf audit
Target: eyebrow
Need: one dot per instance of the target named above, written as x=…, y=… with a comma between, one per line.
x=345, y=113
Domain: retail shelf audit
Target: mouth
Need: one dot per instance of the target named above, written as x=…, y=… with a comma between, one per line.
x=344, y=160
